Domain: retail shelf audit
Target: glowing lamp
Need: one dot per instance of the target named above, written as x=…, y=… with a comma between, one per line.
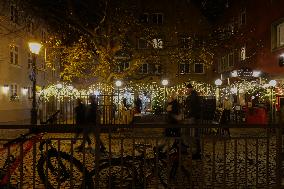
x=218, y=82
x=35, y=47
x=165, y=82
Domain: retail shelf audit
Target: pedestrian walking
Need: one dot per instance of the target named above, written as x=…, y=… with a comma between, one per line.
x=173, y=110
x=138, y=105
x=91, y=121
x=227, y=106
x=192, y=115
x=80, y=114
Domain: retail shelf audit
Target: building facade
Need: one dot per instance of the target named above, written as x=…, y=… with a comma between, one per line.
x=250, y=36
x=175, y=42
x=16, y=31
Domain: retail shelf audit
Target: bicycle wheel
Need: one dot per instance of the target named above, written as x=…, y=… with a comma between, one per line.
x=113, y=174
x=58, y=166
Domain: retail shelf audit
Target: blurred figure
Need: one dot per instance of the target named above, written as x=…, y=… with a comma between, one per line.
x=138, y=105
x=227, y=106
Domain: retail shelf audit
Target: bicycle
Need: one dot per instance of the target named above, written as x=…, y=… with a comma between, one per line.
x=12, y=162
x=128, y=171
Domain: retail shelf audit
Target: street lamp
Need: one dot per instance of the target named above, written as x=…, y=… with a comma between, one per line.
x=118, y=84
x=218, y=83
x=272, y=84
x=34, y=48
x=165, y=82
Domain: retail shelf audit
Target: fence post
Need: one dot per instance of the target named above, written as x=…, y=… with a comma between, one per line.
x=278, y=155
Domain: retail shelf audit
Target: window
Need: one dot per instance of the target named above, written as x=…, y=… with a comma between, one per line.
x=277, y=34
x=123, y=66
x=198, y=68
x=30, y=60
x=13, y=90
x=14, y=53
x=184, y=68
x=231, y=59
x=157, y=69
x=144, y=68
x=280, y=35
x=243, y=17
x=144, y=18
x=142, y=43
x=243, y=53
x=14, y=14
x=157, y=18
x=185, y=42
x=157, y=43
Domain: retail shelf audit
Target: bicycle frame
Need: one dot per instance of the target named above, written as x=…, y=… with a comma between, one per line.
x=17, y=160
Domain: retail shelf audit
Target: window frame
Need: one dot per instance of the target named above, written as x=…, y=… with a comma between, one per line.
x=141, y=69
x=158, y=21
x=14, y=54
x=203, y=70
x=182, y=66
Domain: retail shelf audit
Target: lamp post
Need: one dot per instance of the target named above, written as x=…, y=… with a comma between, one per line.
x=118, y=84
x=272, y=84
x=218, y=83
x=34, y=48
x=165, y=82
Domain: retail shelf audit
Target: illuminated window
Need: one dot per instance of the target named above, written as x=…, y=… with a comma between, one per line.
x=14, y=54
x=184, y=68
x=243, y=53
x=157, y=43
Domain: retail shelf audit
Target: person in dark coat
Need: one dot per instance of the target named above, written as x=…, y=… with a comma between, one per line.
x=192, y=114
x=91, y=120
x=172, y=114
x=138, y=105
x=80, y=114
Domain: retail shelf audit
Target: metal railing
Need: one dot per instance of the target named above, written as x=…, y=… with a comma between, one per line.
x=141, y=156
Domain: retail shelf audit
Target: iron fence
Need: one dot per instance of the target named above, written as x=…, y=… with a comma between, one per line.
x=141, y=156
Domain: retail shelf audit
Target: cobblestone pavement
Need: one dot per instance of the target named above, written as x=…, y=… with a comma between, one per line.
x=237, y=162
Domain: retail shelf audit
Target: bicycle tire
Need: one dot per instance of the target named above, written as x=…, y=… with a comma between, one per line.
x=41, y=166
x=124, y=181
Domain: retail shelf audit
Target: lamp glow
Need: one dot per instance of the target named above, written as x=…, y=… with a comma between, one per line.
x=256, y=73
x=5, y=89
x=118, y=83
x=35, y=47
x=165, y=82
x=25, y=91
x=272, y=83
x=59, y=86
x=218, y=82
x=234, y=73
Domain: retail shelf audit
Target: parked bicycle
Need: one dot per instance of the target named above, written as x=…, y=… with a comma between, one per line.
x=57, y=168
x=12, y=162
